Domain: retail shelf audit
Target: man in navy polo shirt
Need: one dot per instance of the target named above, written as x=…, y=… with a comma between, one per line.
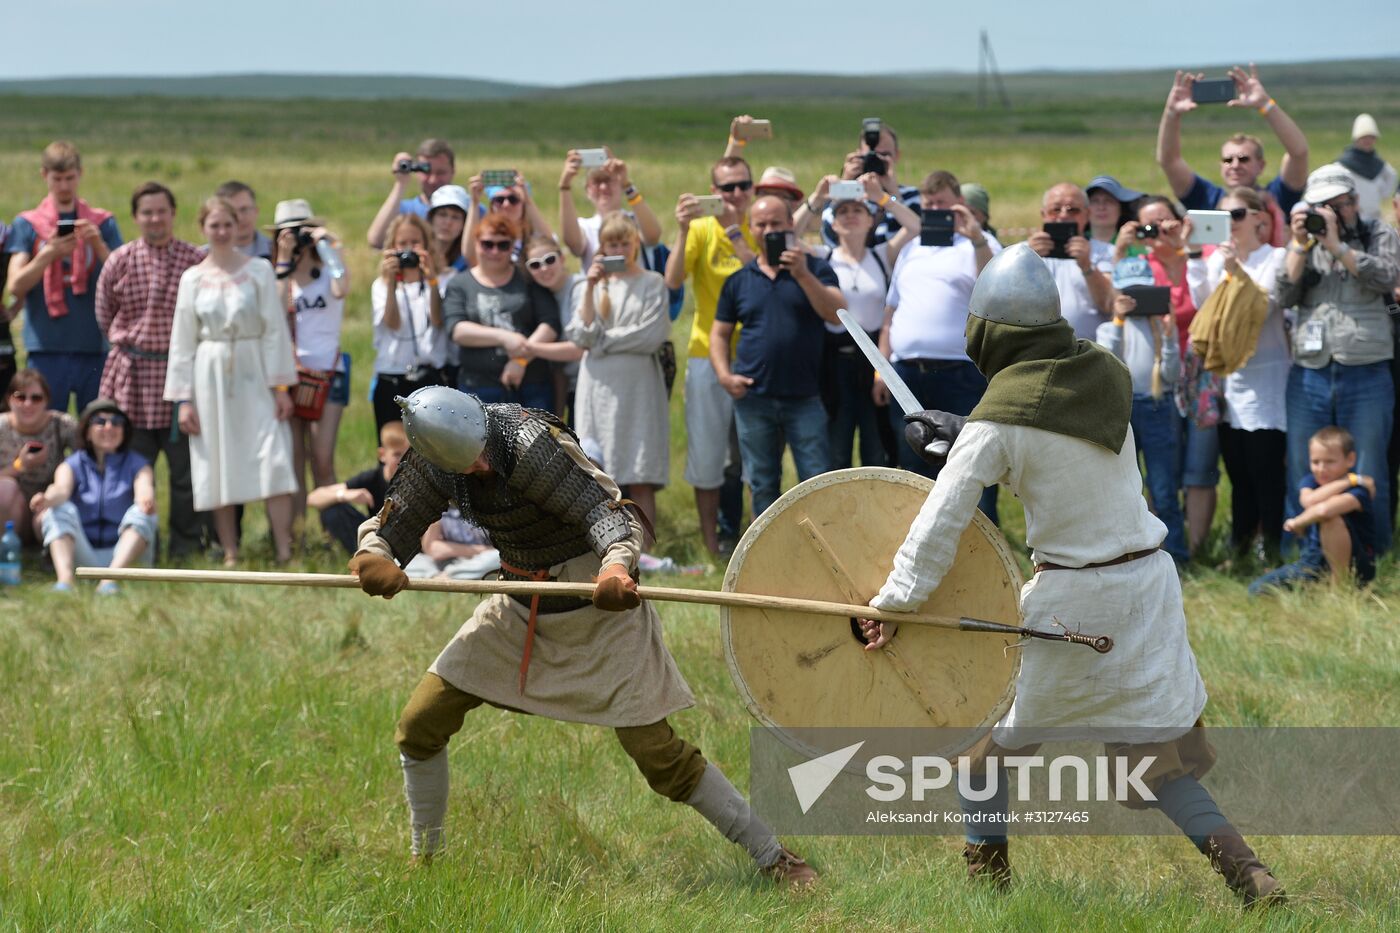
x=774, y=375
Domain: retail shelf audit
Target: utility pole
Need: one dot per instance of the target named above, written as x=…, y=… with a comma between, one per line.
x=987, y=70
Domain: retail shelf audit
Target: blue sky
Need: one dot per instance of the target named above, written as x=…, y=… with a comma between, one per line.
x=550, y=42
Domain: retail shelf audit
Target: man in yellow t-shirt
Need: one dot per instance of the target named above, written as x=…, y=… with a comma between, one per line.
x=709, y=250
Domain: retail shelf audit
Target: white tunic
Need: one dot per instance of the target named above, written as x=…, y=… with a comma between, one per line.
x=230, y=345
x=1083, y=505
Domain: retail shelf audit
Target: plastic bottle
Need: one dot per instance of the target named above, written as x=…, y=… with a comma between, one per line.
x=331, y=257
x=9, y=556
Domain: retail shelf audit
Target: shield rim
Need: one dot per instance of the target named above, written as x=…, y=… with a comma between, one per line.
x=756, y=529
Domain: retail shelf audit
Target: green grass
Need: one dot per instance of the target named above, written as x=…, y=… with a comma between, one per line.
x=204, y=757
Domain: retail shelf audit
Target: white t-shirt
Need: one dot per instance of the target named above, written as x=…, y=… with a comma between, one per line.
x=1076, y=304
x=929, y=290
x=1254, y=393
x=864, y=287
x=416, y=341
x=319, y=314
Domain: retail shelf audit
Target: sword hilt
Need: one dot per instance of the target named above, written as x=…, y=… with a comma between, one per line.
x=1100, y=643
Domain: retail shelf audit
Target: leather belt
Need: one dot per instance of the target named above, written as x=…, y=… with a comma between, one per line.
x=932, y=366
x=1121, y=559
x=537, y=576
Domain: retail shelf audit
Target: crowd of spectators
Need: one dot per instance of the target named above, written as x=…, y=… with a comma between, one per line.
x=1269, y=345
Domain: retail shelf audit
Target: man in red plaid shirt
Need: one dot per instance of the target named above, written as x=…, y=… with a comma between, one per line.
x=135, y=306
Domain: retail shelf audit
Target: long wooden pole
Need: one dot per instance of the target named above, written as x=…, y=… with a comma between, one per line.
x=584, y=591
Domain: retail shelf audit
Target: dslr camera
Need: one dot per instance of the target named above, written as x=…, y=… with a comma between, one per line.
x=409, y=165
x=304, y=238
x=870, y=132
x=1148, y=232
x=407, y=258
x=1314, y=223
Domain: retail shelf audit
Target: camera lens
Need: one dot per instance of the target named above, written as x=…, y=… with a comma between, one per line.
x=1315, y=223
x=1147, y=232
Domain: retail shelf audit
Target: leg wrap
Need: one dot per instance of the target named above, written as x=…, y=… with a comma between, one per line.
x=720, y=802
x=1190, y=806
x=425, y=784
x=671, y=765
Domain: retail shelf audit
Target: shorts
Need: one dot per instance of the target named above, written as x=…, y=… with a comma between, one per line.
x=340, y=382
x=63, y=520
x=1200, y=457
x=709, y=415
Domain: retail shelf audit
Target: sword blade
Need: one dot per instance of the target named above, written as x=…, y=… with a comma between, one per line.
x=884, y=367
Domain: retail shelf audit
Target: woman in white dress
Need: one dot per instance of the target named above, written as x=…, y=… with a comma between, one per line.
x=621, y=321
x=230, y=367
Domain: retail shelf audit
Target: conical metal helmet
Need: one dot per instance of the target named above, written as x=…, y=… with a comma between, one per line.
x=1016, y=287
x=445, y=426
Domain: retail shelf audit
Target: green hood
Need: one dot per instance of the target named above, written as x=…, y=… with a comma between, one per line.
x=1042, y=377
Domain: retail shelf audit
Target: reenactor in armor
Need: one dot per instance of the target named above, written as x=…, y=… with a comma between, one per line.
x=520, y=475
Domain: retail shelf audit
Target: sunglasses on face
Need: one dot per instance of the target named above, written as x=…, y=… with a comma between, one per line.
x=108, y=421
x=33, y=397
x=733, y=186
x=542, y=262
x=497, y=246
x=501, y=199
x=1241, y=159
x=1239, y=213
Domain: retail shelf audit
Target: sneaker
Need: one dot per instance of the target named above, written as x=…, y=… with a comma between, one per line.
x=62, y=588
x=791, y=872
x=108, y=588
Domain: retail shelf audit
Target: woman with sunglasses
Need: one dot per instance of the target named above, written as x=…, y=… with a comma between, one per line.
x=1252, y=426
x=33, y=442
x=545, y=263
x=512, y=202
x=621, y=323
x=494, y=312
x=100, y=509
x=410, y=339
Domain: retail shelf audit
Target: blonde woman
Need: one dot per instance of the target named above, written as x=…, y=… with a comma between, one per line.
x=620, y=322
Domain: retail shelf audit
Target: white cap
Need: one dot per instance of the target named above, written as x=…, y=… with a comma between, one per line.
x=1365, y=125
x=451, y=196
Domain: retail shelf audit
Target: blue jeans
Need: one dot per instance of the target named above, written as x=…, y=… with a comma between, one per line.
x=76, y=374
x=530, y=394
x=1358, y=398
x=763, y=421
x=1156, y=431
x=854, y=410
x=947, y=385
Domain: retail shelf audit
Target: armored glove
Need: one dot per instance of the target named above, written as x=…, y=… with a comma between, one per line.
x=379, y=576
x=616, y=590
x=922, y=428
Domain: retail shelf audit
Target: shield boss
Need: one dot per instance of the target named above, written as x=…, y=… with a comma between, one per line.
x=834, y=538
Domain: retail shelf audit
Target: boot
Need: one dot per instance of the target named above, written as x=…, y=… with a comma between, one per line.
x=1244, y=874
x=791, y=872
x=989, y=861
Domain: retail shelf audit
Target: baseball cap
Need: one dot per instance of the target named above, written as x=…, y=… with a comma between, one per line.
x=450, y=196
x=977, y=197
x=1112, y=186
x=1330, y=181
x=1364, y=125
x=775, y=176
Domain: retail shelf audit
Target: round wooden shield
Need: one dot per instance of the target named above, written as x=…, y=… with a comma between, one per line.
x=834, y=538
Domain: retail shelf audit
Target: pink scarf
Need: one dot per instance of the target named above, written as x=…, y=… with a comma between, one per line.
x=44, y=220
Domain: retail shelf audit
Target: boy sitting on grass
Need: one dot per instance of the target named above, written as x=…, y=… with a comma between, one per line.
x=1336, y=528
x=337, y=501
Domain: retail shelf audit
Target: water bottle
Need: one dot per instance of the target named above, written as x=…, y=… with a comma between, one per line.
x=9, y=556
x=330, y=257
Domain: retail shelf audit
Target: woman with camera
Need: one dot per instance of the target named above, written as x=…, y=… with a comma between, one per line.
x=512, y=202
x=231, y=367
x=313, y=282
x=1339, y=274
x=621, y=322
x=1252, y=424
x=34, y=439
x=1161, y=234
x=410, y=342
x=494, y=313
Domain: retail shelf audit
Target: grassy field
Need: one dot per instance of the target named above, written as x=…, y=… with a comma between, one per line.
x=209, y=757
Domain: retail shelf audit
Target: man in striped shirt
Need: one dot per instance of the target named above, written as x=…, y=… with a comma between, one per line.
x=886, y=226
x=135, y=306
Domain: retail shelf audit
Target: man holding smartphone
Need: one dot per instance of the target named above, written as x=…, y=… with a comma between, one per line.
x=56, y=252
x=708, y=250
x=781, y=297
x=1081, y=266
x=866, y=158
x=1241, y=156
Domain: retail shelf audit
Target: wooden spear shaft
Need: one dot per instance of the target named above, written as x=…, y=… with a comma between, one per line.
x=1101, y=644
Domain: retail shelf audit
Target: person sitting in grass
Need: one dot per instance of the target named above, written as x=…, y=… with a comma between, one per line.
x=1336, y=525
x=337, y=501
x=100, y=509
